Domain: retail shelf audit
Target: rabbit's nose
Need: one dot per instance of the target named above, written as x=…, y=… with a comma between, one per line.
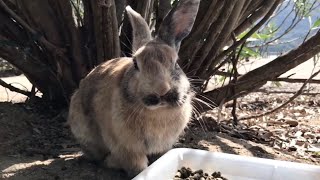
x=171, y=97
x=164, y=89
x=151, y=100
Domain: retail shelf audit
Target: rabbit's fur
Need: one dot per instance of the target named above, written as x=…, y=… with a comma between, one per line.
x=128, y=108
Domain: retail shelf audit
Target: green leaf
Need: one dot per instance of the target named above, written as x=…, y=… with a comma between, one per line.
x=316, y=24
x=221, y=79
x=255, y=36
x=248, y=52
x=261, y=36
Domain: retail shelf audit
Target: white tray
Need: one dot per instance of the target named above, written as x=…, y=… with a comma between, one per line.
x=233, y=167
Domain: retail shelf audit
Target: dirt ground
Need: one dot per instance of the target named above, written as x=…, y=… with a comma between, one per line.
x=36, y=143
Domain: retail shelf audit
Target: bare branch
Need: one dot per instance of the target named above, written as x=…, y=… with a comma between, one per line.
x=288, y=80
x=163, y=8
x=199, y=32
x=72, y=36
x=256, y=15
x=210, y=60
x=234, y=60
x=12, y=88
x=120, y=6
x=89, y=34
x=145, y=7
x=38, y=73
x=214, y=59
x=215, y=30
x=258, y=77
x=252, y=6
x=41, y=39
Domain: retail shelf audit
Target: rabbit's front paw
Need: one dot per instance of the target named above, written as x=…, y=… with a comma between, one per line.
x=132, y=163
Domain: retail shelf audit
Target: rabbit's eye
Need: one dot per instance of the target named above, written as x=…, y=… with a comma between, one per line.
x=135, y=64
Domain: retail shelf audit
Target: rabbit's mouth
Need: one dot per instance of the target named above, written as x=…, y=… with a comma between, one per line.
x=171, y=99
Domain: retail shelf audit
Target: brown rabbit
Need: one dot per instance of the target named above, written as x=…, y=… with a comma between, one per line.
x=128, y=108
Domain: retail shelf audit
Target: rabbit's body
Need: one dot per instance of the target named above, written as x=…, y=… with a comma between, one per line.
x=128, y=108
x=100, y=106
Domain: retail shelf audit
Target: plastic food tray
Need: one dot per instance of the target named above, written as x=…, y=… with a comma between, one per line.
x=233, y=167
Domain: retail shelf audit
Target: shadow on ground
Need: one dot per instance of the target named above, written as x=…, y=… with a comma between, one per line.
x=62, y=168
x=35, y=143
x=204, y=135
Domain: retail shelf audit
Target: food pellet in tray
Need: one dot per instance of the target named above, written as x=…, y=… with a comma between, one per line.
x=189, y=174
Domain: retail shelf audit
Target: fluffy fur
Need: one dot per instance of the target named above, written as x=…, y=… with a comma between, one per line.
x=109, y=113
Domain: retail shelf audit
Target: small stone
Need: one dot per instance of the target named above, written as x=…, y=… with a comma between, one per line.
x=309, y=135
x=196, y=176
x=184, y=173
x=292, y=148
x=216, y=174
x=182, y=140
x=200, y=171
x=178, y=174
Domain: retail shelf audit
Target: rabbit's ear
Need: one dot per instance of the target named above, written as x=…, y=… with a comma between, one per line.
x=178, y=23
x=141, y=31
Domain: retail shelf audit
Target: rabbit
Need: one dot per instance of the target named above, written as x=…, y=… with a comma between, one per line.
x=130, y=107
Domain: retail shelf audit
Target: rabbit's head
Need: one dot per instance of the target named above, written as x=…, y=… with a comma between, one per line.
x=156, y=80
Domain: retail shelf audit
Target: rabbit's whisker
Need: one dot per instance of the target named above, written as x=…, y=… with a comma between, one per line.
x=205, y=103
x=133, y=109
x=199, y=118
x=209, y=100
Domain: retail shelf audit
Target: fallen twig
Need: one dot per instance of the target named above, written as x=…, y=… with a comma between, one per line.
x=291, y=80
x=286, y=92
x=286, y=103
